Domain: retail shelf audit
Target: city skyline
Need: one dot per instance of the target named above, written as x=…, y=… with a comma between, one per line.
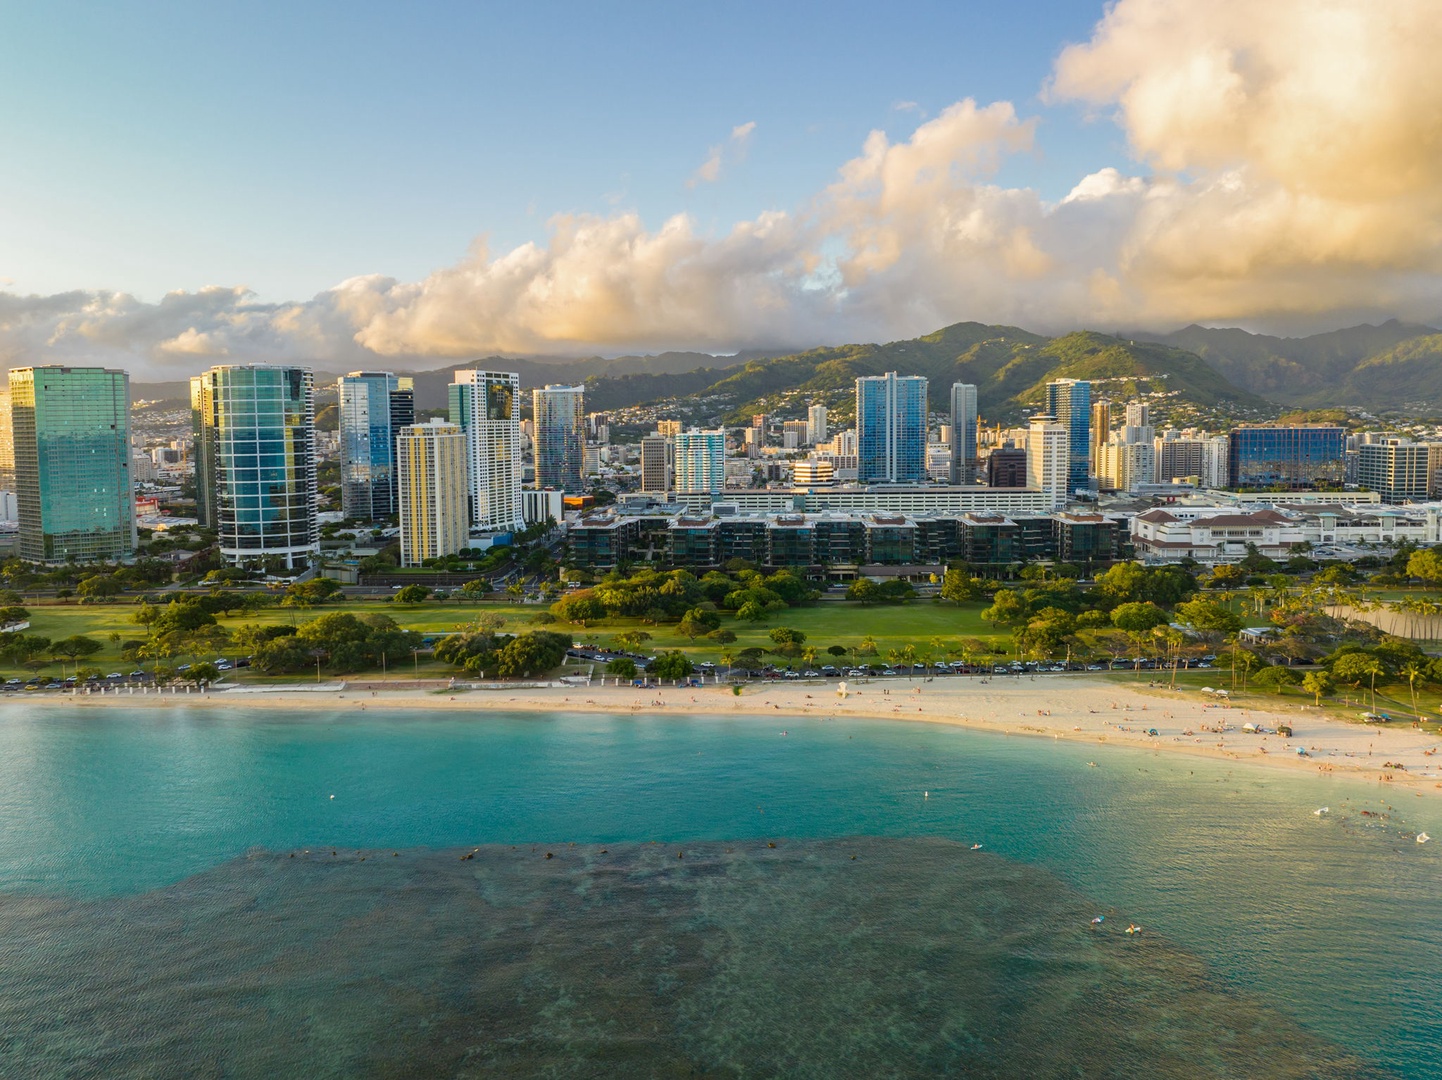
x=1151, y=163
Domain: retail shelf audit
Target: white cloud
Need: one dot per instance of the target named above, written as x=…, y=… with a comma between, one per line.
x=733, y=151
x=1290, y=169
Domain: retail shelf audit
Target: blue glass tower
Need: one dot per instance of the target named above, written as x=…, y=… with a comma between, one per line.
x=255, y=462
x=891, y=429
x=1070, y=401
x=374, y=406
x=1288, y=458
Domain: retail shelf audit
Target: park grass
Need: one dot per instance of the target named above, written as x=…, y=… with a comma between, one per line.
x=826, y=623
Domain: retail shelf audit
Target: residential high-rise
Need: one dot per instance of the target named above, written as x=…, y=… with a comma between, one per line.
x=373, y=407
x=7, y=442
x=1434, y=470
x=434, y=496
x=700, y=462
x=656, y=451
x=963, y=433
x=486, y=406
x=1287, y=458
x=71, y=432
x=1176, y=458
x=255, y=476
x=891, y=429
x=1101, y=431
x=816, y=432
x=1048, y=459
x=1394, y=468
x=1215, y=450
x=560, y=437
x=1070, y=402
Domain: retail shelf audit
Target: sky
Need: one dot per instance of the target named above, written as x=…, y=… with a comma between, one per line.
x=407, y=185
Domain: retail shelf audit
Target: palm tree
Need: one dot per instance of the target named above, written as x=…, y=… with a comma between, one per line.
x=1413, y=671
x=808, y=656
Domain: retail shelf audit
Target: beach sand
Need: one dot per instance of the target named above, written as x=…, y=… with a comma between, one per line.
x=1096, y=710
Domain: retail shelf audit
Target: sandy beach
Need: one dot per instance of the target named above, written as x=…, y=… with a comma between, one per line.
x=1101, y=711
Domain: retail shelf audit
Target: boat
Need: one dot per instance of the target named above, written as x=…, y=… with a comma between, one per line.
x=975, y=847
x=1099, y=920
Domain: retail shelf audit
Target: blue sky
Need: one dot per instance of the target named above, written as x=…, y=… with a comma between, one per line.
x=159, y=146
x=372, y=183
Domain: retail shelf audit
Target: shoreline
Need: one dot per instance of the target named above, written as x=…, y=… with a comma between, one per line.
x=1071, y=707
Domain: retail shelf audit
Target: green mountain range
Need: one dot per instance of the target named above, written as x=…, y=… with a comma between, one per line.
x=1392, y=367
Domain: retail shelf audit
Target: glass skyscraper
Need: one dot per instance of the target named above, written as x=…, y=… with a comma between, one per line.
x=963, y=433
x=486, y=406
x=255, y=462
x=560, y=424
x=1289, y=458
x=374, y=406
x=71, y=433
x=1070, y=401
x=891, y=429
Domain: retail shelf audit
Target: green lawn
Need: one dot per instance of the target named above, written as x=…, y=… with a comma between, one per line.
x=828, y=623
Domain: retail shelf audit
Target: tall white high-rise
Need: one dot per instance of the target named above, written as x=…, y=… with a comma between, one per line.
x=963, y=433
x=1216, y=470
x=700, y=462
x=433, y=495
x=1048, y=459
x=816, y=432
x=486, y=406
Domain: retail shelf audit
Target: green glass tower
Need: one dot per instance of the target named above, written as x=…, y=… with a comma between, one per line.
x=73, y=492
x=255, y=463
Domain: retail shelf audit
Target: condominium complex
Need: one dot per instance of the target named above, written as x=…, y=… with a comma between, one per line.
x=1048, y=460
x=1069, y=402
x=434, y=499
x=373, y=407
x=700, y=462
x=71, y=432
x=963, y=433
x=816, y=432
x=485, y=405
x=891, y=429
x=560, y=437
x=255, y=462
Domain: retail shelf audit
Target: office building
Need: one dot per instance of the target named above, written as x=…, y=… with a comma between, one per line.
x=486, y=406
x=1048, y=460
x=1069, y=401
x=961, y=433
x=700, y=459
x=656, y=457
x=891, y=429
x=1395, y=468
x=1286, y=458
x=1434, y=470
x=434, y=498
x=816, y=432
x=814, y=472
x=373, y=407
x=255, y=463
x=74, y=495
x=668, y=428
x=1006, y=467
x=560, y=437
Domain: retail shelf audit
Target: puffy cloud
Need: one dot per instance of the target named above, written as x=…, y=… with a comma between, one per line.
x=1291, y=169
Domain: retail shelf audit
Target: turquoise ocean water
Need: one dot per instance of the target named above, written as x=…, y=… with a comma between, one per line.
x=170, y=903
